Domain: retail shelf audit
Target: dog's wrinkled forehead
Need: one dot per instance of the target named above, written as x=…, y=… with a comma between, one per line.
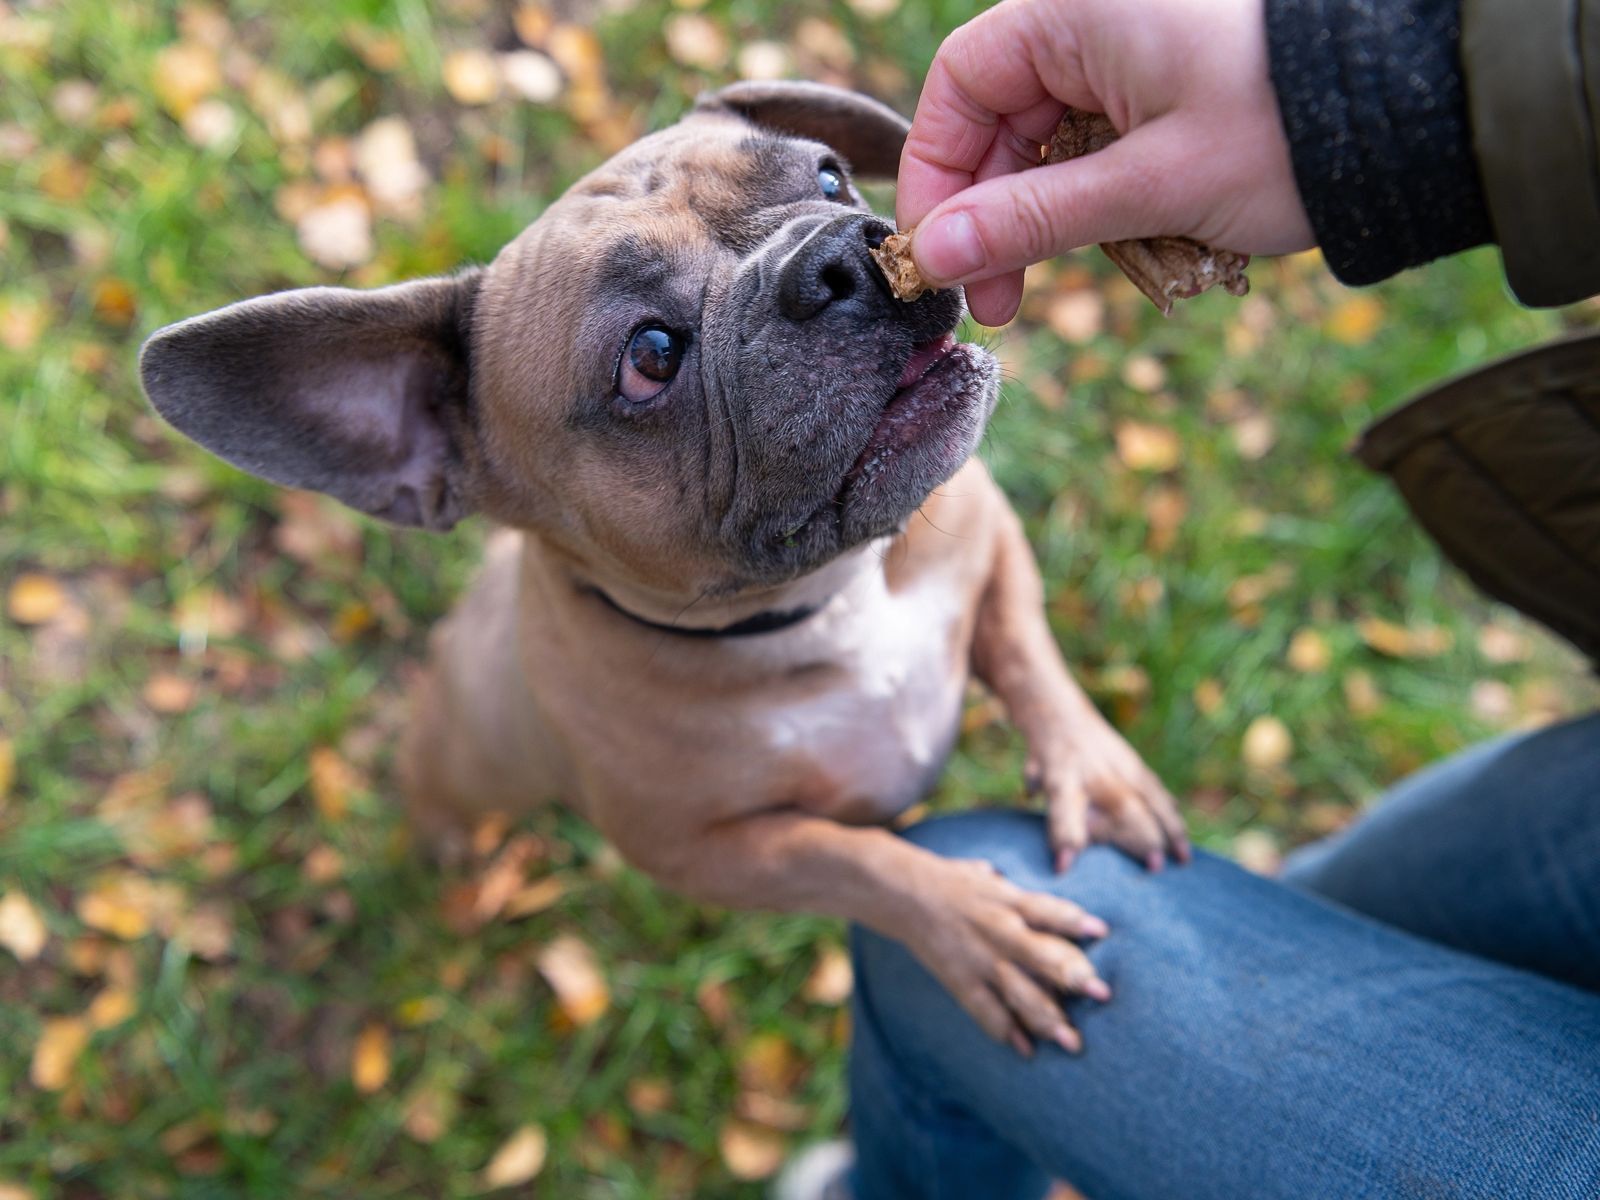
x=713, y=178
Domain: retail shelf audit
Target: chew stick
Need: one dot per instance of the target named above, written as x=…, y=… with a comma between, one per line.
x=1165, y=269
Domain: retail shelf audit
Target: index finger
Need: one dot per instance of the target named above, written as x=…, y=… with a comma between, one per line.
x=982, y=92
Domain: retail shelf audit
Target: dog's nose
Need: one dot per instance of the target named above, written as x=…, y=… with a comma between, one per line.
x=830, y=267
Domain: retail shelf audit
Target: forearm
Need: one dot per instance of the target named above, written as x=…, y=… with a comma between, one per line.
x=1374, y=103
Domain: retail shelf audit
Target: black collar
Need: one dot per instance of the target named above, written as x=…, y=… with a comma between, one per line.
x=761, y=622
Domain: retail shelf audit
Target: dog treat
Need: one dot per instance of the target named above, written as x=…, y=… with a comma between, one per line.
x=1163, y=268
x=894, y=260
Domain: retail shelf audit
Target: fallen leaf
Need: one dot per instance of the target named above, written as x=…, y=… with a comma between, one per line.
x=874, y=10
x=427, y=1113
x=750, y=1152
x=322, y=864
x=764, y=60
x=1493, y=701
x=332, y=781
x=470, y=76
x=185, y=73
x=1267, y=744
x=695, y=40
x=1144, y=373
x=169, y=694
x=1497, y=643
x=111, y=1007
x=207, y=932
x=22, y=322
x=714, y=1000
x=536, y=897
x=649, y=1096
x=1257, y=851
x=113, y=302
x=1146, y=447
x=22, y=930
x=369, y=1060
x=570, y=968
x=35, y=598
x=1355, y=321
x=8, y=768
x=519, y=1159
x=128, y=905
x=832, y=979
x=769, y=1063
x=337, y=234
x=825, y=43
x=56, y=1052
x=1361, y=695
x=532, y=75
x=1400, y=641
x=1076, y=316
x=211, y=124
x=15, y=1191
x=386, y=158
x=1308, y=652
x=1208, y=697
x=1254, y=435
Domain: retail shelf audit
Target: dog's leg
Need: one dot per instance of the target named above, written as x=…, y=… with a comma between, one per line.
x=1094, y=783
x=1001, y=951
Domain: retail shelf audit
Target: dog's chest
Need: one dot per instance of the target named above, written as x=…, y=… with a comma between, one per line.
x=873, y=738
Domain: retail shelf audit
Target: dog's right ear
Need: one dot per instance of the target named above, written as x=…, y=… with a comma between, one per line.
x=866, y=132
x=359, y=394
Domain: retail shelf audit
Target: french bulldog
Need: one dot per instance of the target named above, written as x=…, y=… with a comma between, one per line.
x=747, y=561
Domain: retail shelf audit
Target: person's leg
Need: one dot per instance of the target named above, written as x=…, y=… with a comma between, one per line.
x=1495, y=852
x=1259, y=1043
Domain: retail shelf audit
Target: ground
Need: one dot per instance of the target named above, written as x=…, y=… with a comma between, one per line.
x=224, y=971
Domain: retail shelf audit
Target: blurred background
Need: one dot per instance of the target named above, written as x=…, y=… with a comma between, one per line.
x=224, y=971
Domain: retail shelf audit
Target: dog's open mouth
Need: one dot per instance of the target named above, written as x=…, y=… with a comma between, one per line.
x=917, y=398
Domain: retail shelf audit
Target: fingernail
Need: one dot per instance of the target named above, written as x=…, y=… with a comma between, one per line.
x=1099, y=989
x=1154, y=861
x=1094, y=927
x=948, y=248
x=1069, y=1040
x=1022, y=1045
x=1064, y=861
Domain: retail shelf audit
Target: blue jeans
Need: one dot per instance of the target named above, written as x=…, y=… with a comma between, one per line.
x=1417, y=1017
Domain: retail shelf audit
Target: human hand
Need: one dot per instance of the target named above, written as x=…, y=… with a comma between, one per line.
x=1006, y=954
x=1203, y=152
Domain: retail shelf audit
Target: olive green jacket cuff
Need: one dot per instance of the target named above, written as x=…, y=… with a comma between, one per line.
x=1533, y=86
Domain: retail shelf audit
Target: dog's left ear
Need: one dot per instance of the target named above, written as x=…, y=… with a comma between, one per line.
x=867, y=133
x=359, y=394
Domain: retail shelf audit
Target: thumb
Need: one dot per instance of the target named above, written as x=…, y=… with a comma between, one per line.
x=1130, y=189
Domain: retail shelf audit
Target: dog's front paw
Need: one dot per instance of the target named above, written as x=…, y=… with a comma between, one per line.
x=1007, y=954
x=1097, y=788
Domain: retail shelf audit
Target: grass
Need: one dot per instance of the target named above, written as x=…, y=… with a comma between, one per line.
x=207, y=702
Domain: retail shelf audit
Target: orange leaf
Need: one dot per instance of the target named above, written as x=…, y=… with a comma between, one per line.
x=749, y=1151
x=332, y=782
x=56, y=1053
x=1145, y=447
x=1355, y=321
x=369, y=1061
x=35, y=599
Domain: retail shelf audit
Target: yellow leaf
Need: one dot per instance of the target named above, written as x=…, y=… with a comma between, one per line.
x=749, y=1151
x=1267, y=744
x=1145, y=447
x=536, y=897
x=569, y=967
x=518, y=1160
x=332, y=782
x=1398, y=641
x=768, y=1063
x=470, y=76
x=22, y=930
x=35, y=599
x=111, y=1007
x=369, y=1061
x=427, y=1113
x=831, y=980
x=1208, y=697
x=56, y=1052
x=1308, y=652
x=1361, y=693
x=1355, y=321
x=419, y=1010
x=185, y=73
x=116, y=909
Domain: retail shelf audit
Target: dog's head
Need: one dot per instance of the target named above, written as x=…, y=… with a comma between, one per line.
x=687, y=372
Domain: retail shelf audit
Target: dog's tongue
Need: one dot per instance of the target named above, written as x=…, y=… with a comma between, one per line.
x=923, y=357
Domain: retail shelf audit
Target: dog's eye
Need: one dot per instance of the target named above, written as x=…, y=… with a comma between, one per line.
x=649, y=361
x=831, y=183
